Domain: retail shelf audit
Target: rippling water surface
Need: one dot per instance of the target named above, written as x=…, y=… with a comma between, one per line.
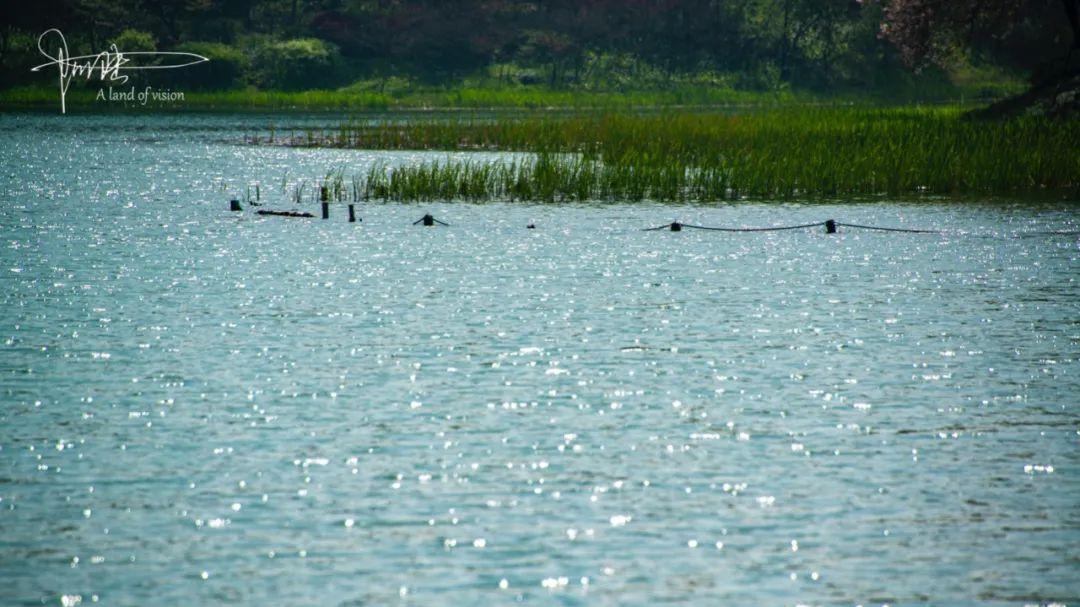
x=199, y=406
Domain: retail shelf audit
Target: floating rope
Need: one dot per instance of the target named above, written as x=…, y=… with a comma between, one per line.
x=675, y=226
x=884, y=229
x=1050, y=233
x=831, y=225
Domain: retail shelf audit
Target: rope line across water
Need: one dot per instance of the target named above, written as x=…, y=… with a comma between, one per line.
x=675, y=226
x=773, y=229
x=884, y=229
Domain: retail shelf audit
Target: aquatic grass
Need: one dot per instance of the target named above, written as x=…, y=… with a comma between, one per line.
x=252, y=192
x=546, y=178
x=298, y=191
x=786, y=153
x=334, y=184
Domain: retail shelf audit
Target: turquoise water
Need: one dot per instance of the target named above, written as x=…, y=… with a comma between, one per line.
x=204, y=407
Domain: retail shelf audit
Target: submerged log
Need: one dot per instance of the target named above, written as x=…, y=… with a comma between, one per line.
x=284, y=213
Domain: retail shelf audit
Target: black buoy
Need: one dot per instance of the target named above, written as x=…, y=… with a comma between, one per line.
x=428, y=220
x=352, y=214
x=676, y=226
x=234, y=205
x=830, y=226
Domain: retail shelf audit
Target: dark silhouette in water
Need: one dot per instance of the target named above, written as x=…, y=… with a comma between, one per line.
x=531, y=226
x=428, y=220
x=676, y=226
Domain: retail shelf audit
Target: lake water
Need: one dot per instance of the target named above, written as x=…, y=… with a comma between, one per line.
x=202, y=407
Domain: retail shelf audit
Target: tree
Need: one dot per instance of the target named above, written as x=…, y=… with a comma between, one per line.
x=1025, y=33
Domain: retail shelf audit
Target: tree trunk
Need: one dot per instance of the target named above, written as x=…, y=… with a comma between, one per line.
x=785, y=42
x=1072, y=10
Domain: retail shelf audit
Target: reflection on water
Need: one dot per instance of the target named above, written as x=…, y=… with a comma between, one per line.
x=204, y=407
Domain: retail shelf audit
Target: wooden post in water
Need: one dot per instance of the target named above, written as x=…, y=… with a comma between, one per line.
x=830, y=226
x=324, y=196
x=352, y=214
x=676, y=226
x=234, y=205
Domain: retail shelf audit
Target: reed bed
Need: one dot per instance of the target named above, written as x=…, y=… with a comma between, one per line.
x=790, y=153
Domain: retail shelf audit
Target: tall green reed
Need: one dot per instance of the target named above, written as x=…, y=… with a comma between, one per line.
x=822, y=152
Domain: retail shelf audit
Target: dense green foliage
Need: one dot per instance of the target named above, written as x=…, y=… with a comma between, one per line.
x=593, y=45
x=299, y=64
x=134, y=41
x=224, y=70
x=707, y=157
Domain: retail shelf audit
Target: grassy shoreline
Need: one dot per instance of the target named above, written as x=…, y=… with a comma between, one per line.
x=344, y=100
x=81, y=99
